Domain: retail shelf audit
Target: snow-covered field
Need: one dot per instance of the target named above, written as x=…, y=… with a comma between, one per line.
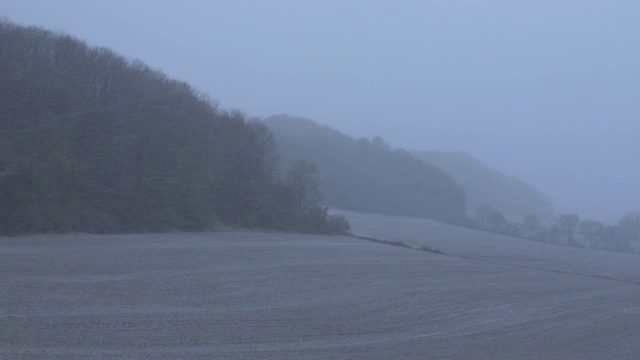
x=261, y=296
x=496, y=248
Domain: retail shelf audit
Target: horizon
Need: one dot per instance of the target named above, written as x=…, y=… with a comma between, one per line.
x=540, y=91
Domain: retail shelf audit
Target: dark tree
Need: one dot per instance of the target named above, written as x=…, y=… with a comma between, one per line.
x=302, y=178
x=489, y=219
x=630, y=225
x=593, y=232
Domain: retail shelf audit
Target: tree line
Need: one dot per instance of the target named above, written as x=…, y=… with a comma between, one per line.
x=567, y=229
x=93, y=142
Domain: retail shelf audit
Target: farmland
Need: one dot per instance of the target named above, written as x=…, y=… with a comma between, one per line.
x=268, y=295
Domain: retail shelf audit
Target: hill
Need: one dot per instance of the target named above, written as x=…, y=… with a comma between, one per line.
x=93, y=142
x=484, y=185
x=368, y=175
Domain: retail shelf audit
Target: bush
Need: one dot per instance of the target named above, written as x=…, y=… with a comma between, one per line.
x=338, y=225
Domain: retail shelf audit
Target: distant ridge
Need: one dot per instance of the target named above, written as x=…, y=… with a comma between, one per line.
x=485, y=185
x=368, y=175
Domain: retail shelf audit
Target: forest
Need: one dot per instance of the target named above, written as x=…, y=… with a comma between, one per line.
x=93, y=142
x=368, y=175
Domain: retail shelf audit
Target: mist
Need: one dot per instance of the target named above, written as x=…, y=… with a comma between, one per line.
x=541, y=90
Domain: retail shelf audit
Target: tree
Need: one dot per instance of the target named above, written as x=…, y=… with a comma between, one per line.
x=302, y=179
x=593, y=232
x=630, y=225
x=531, y=224
x=338, y=225
x=497, y=220
x=615, y=239
x=379, y=142
x=489, y=219
x=568, y=223
x=298, y=204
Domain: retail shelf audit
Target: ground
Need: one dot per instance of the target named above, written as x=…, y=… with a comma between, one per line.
x=254, y=295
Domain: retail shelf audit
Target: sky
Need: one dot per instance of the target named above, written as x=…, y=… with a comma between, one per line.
x=543, y=90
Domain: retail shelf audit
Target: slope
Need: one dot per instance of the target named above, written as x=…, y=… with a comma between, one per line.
x=484, y=185
x=366, y=175
x=495, y=248
x=93, y=142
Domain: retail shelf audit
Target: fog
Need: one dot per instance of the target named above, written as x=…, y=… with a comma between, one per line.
x=542, y=90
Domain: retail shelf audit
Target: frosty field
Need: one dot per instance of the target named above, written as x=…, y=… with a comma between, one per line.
x=260, y=295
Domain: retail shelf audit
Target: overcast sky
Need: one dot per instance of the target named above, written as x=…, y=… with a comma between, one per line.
x=547, y=91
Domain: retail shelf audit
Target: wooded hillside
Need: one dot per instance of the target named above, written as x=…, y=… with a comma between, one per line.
x=91, y=141
x=486, y=186
x=368, y=175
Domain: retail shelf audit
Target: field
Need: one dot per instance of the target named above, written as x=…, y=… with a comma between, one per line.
x=287, y=296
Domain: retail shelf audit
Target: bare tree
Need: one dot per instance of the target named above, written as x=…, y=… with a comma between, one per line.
x=531, y=224
x=568, y=224
x=302, y=179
